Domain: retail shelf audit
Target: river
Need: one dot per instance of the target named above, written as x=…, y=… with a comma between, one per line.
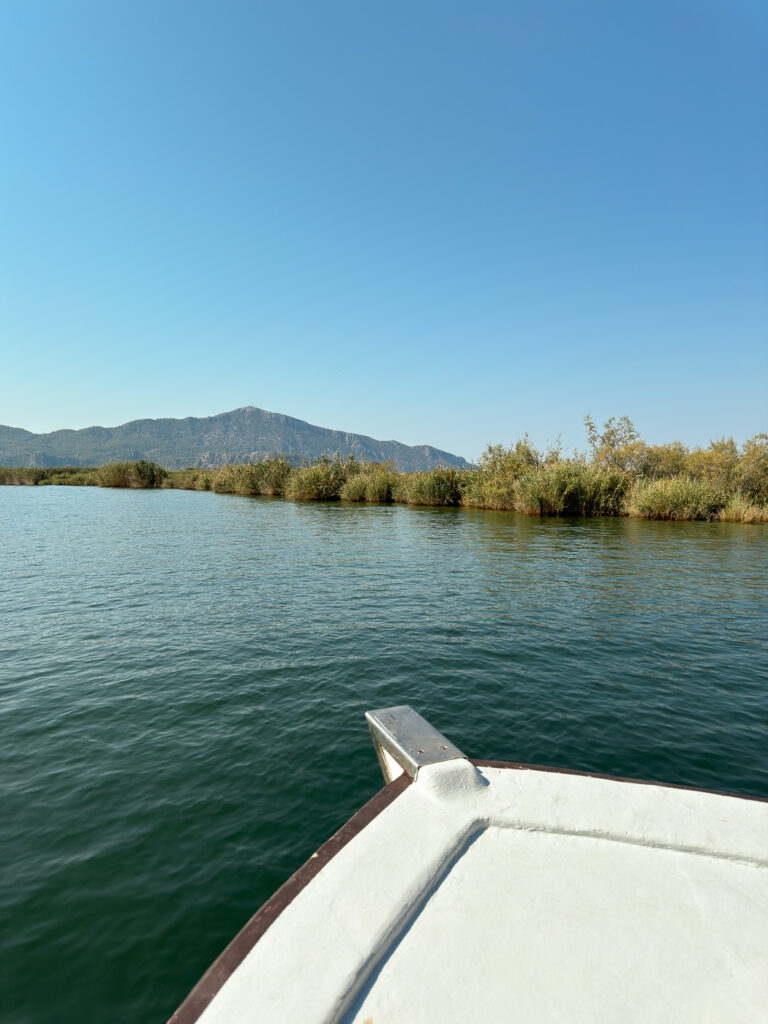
x=183, y=679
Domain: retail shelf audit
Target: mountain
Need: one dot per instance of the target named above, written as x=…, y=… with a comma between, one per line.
x=243, y=435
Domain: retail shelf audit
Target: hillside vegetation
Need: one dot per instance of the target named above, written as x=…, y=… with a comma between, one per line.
x=621, y=475
x=241, y=436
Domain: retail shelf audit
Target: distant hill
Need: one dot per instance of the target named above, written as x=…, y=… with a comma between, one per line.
x=244, y=435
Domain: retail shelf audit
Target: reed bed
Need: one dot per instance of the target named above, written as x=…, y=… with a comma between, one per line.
x=141, y=475
x=438, y=487
x=741, y=510
x=321, y=481
x=374, y=483
x=678, y=497
x=623, y=477
x=72, y=476
x=572, y=488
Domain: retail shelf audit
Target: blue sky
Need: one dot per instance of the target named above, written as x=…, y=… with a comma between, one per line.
x=439, y=222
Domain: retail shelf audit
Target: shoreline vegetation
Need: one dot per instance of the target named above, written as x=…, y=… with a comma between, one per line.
x=621, y=475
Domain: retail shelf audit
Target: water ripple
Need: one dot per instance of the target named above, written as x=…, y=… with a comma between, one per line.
x=184, y=677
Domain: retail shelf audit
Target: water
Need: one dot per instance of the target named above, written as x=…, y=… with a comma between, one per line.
x=183, y=677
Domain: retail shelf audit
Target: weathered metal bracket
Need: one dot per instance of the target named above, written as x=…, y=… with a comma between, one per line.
x=405, y=742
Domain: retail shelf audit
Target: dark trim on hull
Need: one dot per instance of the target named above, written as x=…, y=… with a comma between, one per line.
x=612, y=778
x=227, y=962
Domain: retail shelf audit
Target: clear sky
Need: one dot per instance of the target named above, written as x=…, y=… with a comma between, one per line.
x=440, y=222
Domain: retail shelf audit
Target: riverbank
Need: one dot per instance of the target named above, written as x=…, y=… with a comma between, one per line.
x=547, y=487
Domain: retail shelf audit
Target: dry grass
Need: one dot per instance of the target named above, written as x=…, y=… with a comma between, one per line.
x=740, y=510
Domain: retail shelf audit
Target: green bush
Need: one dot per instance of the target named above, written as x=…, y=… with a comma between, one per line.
x=624, y=477
x=752, y=469
x=617, y=446
x=117, y=474
x=149, y=474
x=663, y=460
x=511, y=462
x=484, y=489
x=141, y=474
x=717, y=465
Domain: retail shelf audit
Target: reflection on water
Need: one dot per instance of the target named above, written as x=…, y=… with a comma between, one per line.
x=184, y=677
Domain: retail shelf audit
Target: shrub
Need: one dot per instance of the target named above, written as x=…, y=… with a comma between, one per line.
x=752, y=469
x=663, y=460
x=717, y=464
x=510, y=462
x=117, y=474
x=142, y=474
x=617, y=446
x=148, y=474
x=494, y=485
x=485, y=489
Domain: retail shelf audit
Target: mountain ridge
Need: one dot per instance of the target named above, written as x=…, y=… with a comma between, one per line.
x=247, y=434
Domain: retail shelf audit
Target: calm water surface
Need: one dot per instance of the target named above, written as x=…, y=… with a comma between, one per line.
x=183, y=678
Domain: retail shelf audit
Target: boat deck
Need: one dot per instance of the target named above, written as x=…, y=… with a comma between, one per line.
x=533, y=923
x=488, y=893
